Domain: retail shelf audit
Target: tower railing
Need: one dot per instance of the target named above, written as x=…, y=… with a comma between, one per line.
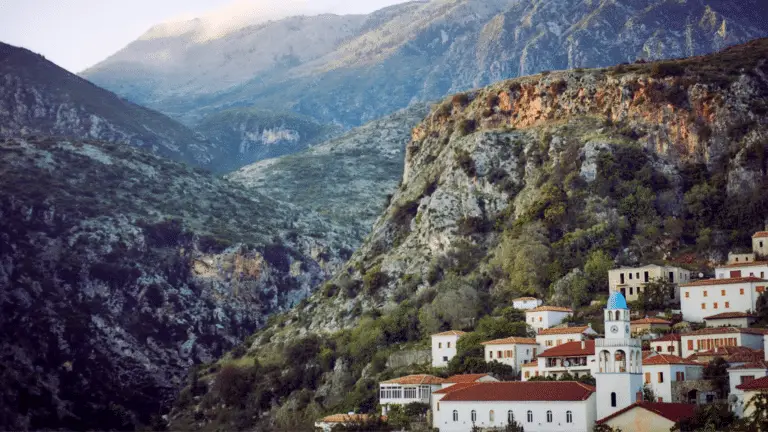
x=618, y=343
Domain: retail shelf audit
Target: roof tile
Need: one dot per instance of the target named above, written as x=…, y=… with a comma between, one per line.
x=651, y=321
x=762, y=364
x=667, y=359
x=745, y=264
x=512, y=340
x=571, y=349
x=726, y=330
x=453, y=388
x=730, y=315
x=550, y=309
x=760, y=234
x=723, y=281
x=758, y=384
x=563, y=330
x=670, y=337
x=523, y=391
x=464, y=378
x=416, y=379
x=451, y=333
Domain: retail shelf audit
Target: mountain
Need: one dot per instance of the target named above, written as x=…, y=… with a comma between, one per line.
x=532, y=186
x=346, y=179
x=39, y=98
x=242, y=136
x=362, y=70
x=119, y=270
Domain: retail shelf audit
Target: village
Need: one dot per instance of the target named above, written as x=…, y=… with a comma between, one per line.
x=645, y=373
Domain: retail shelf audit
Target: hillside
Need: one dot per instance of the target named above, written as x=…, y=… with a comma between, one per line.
x=537, y=185
x=366, y=68
x=39, y=98
x=122, y=269
x=346, y=179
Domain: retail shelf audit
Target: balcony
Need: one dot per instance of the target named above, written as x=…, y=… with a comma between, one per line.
x=617, y=343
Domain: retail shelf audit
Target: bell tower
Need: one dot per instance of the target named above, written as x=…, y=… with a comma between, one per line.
x=619, y=377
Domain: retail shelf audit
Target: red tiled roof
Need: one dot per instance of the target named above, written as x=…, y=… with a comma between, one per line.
x=416, y=379
x=758, y=384
x=762, y=364
x=451, y=333
x=671, y=411
x=550, y=309
x=745, y=356
x=732, y=354
x=563, y=330
x=349, y=418
x=530, y=364
x=464, y=378
x=667, y=359
x=523, y=391
x=745, y=264
x=671, y=337
x=571, y=349
x=455, y=387
x=649, y=353
x=760, y=234
x=511, y=340
x=724, y=281
x=730, y=315
x=726, y=330
x=651, y=321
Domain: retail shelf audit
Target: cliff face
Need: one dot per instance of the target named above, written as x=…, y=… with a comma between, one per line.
x=119, y=270
x=526, y=187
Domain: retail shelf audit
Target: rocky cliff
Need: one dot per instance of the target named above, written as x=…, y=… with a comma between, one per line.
x=534, y=186
x=119, y=270
x=39, y=98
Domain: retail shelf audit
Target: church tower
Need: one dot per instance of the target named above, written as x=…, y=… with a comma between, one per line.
x=619, y=377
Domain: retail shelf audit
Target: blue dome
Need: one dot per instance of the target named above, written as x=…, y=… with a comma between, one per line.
x=617, y=301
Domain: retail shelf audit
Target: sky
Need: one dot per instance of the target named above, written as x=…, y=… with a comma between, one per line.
x=76, y=34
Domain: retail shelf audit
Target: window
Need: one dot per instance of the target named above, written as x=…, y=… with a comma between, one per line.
x=491, y=416
x=530, y=416
x=690, y=344
x=661, y=377
x=705, y=293
x=762, y=275
x=568, y=417
x=549, y=416
x=714, y=305
x=449, y=344
x=687, y=294
x=527, y=374
x=559, y=342
x=539, y=319
x=670, y=349
x=647, y=377
x=473, y=415
x=658, y=348
x=510, y=416
x=679, y=376
x=722, y=293
x=613, y=399
x=621, y=277
x=498, y=354
x=410, y=392
x=727, y=305
x=455, y=415
x=703, y=305
x=671, y=276
x=490, y=354
x=445, y=358
x=438, y=406
x=760, y=289
x=439, y=344
x=741, y=291
x=630, y=276
x=645, y=276
x=746, y=378
x=548, y=343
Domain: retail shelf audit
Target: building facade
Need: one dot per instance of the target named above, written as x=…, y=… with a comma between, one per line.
x=758, y=269
x=574, y=358
x=544, y=317
x=760, y=244
x=667, y=344
x=408, y=389
x=731, y=319
x=630, y=281
x=709, y=297
x=661, y=371
x=649, y=416
x=739, y=376
x=525, y=303
x=444, y=347
x=709, y=339
x=649, y=325
x=512, y=351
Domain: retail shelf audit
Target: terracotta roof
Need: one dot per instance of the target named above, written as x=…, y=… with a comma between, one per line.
x=726, y=330
x=670, y=337
x=563, y=330
x=760, y=234
x=524, y=299
x=724, y=281
x=670, y=411
x=455, y=387
x=758, y=384
x=523, y=391
x=732, y=354
x=648, y=353
x=464, y=378
x=745, y=356
x=349, y=418
x=416, y=379
x=651, y=321
x=667, y=359
x=530, y=364
x=571, y=349
x=730, y=315
x=451, y=333
x=550, y=309
x=762, y=364
x=512, y=340
x=745, y=264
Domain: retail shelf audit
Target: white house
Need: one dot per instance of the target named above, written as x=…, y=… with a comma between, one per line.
x=512, y=351
x=750, y=390
x=667, y=344
x=576, y=358
x=453, y=383
x=705, y=298
x=731, y=319
x=710, y=338
x=660, y=371
x=408, y=389
x=444, y=347
x=548, y=338
x=529, y=370
x=741, y=258
x=630, y=281
x=525, y=303
x=742, y=375
x=760, y=243
x=551, y=406
x=758, y=269
x=544, y=317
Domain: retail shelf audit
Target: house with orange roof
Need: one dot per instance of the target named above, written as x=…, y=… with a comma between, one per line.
x=760, y=243
x=327, y=424
x=444, y=347
x=544, y=317
x=662, y=370
x=512, y=351
x=525, y=303
x=552, y=337
x=576, y=358
x=649, y=325
x=408, y=389
x=731, y=319
x=750, y=390
x=565, y=406
x=648, y=416
x=720, y=337
x=453, y=383
x=667, y=344
x=744, y=374
x=708, y=297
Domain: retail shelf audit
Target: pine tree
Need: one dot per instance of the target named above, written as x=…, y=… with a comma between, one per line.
x=513, y=425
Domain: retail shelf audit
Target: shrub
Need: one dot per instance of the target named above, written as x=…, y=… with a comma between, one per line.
x=405, y=212
x=211, y=244
x=167, y=233
x=465, y=161
x=665, y=69
x=330, y=289
x=374, y=279
x=461, y=99
x=232, y=385
x=491, y=101
x=469, y=225
x=466, y=127
x=557, y=87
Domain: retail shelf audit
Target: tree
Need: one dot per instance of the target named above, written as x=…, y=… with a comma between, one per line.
x=761, y=309
x=717, y=371
x=648, y=394
x=596, y=269
x=513, y=425
x=758, y=418
x=571, y=290
x=714, y=417
x=605, y=428
x=655, y=295
x=455, y=304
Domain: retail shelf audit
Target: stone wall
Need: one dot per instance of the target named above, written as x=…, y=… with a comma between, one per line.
x=409, y=357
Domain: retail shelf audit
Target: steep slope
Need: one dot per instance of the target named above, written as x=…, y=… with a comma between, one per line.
x=537, y=185
x=425, y=50
x=243, y=136
x=39, y=98
x=346, y=179
x=120, y=269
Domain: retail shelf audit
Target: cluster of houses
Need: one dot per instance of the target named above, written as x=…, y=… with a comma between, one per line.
x=671, y=368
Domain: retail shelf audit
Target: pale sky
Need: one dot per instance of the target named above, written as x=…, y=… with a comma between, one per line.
x=76, y=34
